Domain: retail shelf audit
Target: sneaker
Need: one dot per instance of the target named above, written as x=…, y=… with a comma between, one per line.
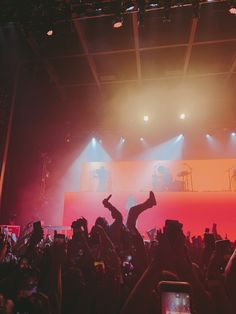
x=152, y=199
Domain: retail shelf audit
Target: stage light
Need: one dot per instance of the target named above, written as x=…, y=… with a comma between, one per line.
x=182, y=116
x=141, y=139
x=232, y=6
x=129, y=6
x=208, y=136
x=171, y=149
x=117, y=22
x=179, y=138
x=232, y=10
x=119, y=148
x=50, y=32
x=153, y=5
x=145, y=118
x=93, y=141
x=233, y=134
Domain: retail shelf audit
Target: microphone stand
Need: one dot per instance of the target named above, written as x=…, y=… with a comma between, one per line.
x=229, y=176
x=190, y=176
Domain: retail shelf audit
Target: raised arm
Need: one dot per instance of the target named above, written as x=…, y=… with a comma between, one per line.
x=115, y=213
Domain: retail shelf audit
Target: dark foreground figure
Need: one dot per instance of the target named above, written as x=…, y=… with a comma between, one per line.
x=113, y=270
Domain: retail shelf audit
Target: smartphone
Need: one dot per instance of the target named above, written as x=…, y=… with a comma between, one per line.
x=175, y=297
x=59, y=238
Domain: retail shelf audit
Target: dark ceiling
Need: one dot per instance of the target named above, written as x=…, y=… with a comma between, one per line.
x=89, y=76
x=92, y=64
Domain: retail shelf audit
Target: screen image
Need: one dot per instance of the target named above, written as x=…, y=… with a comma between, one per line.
x=175, y=303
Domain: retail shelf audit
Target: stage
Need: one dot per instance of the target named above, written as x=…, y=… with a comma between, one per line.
x=196, y=210
x=196, y=192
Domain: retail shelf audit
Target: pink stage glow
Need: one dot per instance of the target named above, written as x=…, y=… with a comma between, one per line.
x=210, y=199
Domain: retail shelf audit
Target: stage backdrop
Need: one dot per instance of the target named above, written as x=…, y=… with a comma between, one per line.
x=196, y=192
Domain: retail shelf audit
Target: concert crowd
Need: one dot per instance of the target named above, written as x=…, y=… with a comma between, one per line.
x=113, y=269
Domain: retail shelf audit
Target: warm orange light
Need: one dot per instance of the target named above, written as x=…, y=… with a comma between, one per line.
x=50, y=32
x=117, y=24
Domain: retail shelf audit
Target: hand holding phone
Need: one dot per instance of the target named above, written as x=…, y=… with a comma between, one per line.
x=106, y=200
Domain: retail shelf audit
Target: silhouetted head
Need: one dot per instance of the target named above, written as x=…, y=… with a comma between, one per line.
x=101, y=221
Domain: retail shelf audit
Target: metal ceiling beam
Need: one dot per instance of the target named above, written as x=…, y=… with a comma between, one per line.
x=190, y=45
x=151, y=79
x=232, y=70
x=88, y=56
x=110, y=52
x=136, y=45
x=217, y=41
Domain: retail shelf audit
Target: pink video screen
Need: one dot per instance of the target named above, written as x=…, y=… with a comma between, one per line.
x=198, y=193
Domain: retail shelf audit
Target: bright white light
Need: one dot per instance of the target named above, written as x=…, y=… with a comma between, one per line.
x=122, y=139
x=179, y=137
x=93, y=141
x=141, y=139
x=50, y=32
x=208, y=136
x=130, y=8
x=182, y=116
x=145, y=118
x=233, y=134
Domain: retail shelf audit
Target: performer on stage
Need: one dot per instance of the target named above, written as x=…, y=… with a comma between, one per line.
x=162, y=179
x=102, y=175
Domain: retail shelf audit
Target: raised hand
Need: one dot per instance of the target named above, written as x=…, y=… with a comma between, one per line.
x=106, y=201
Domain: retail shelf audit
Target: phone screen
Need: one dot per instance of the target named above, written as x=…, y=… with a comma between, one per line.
x=175, y=303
